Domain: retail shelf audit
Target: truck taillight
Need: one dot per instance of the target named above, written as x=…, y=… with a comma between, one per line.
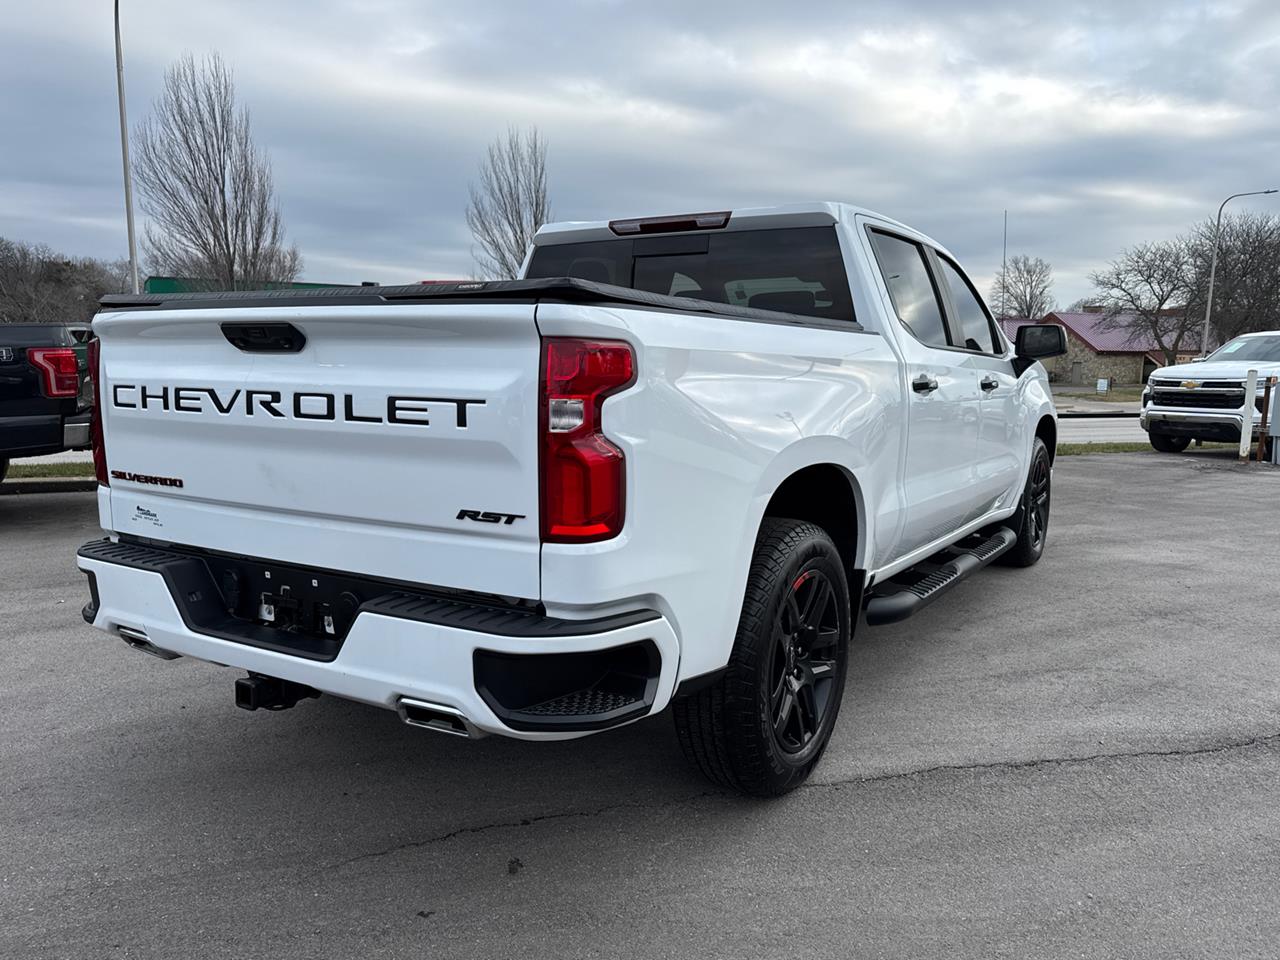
x=583, y=474
x=95, y=428
x=58, y=370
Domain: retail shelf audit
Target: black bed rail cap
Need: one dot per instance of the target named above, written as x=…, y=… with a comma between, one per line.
x=543, y=290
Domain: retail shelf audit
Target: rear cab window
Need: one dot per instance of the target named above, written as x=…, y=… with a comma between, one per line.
x=793, y=270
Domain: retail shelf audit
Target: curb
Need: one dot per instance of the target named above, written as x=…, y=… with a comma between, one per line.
x=1108, y=415
x=49, y=485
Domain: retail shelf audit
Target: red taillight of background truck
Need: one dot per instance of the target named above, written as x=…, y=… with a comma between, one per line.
x=59, y=372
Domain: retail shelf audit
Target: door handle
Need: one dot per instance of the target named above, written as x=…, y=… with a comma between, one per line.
x=989, y=383
x=924, y=384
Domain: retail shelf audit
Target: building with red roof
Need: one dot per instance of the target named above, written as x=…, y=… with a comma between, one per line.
x=1099, y=348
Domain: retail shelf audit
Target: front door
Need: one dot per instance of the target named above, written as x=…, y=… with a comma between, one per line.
x=944, y=398
x=1002, y=431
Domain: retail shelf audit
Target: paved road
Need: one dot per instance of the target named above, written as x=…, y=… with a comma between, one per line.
x=1080, y=760
x=1101, y=430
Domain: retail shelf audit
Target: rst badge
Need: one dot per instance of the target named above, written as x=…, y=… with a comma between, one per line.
x=489, y=516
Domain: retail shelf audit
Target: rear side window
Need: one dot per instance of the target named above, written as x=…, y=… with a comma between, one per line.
x=34, y=335
x=796, y=270
x=915, y=300
x=975, y=325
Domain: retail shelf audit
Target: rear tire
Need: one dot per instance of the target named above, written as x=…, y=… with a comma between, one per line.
x=762, y=726
x=1031, y=522
x=1168, y=444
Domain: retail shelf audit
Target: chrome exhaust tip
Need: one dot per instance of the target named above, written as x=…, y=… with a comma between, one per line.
x=437, y=717
x=139, y=640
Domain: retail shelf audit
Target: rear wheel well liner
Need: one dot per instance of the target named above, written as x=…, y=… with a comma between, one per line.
x=1047, y=430
x=824, y=494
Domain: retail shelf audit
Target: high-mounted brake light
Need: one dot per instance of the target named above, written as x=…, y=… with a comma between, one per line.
x=583, y=474
x=680, y=222
x=95, y=425
x=58, y=369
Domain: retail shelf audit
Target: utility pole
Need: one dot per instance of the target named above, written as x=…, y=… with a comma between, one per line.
x=1213, y=266
x=124, y=155
x=1004, y=270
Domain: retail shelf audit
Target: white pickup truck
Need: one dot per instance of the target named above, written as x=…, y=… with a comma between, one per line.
x=672, y=465
x=1205, y=400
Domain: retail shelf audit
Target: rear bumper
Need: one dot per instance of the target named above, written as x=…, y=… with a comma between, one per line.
x=386, y=658
x=37, y=436
x=30, y=436
x=75, y=431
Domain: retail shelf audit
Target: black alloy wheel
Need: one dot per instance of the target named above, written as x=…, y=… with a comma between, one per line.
x=1038, y=503
x=803, y=665
x=1031, y=522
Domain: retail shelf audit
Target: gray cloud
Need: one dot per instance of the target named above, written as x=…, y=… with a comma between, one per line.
x=1097, y=125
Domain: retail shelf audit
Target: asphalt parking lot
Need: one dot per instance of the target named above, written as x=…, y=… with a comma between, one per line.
x=1082, y=759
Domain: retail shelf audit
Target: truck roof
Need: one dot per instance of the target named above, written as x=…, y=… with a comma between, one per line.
x=816, y=213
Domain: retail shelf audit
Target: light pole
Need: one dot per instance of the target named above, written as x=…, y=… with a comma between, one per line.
x=1213, y=265
x=124, y=156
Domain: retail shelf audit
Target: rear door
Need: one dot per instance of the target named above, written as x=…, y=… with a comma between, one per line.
x=380, y=440
x=944, y=399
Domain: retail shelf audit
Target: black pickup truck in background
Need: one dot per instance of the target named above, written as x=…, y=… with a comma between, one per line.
x=45, y=395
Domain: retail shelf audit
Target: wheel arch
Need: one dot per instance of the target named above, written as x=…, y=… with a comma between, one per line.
x=1047, y=430
x=828, y=495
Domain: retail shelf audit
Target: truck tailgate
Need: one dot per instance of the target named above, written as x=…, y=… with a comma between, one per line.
x=362, y=451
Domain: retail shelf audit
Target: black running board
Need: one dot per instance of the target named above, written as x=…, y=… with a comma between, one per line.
x=916, y=587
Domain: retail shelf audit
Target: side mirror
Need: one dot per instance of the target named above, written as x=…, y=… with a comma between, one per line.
x=1037, y=341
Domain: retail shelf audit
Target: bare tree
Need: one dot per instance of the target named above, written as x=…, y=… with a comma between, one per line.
x=1025, y=289
x=1146, y=290
x=1246, y=296
x=206, y=186
x=39, y=285
x=509, y=203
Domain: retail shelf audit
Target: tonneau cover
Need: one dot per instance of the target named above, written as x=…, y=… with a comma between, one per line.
x=558, y=289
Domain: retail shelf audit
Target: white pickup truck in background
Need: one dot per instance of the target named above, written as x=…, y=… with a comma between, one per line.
x=674, y=464
x=1205, y=400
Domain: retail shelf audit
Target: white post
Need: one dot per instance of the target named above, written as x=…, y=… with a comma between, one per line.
x=1273, y=425
x=1246, y=412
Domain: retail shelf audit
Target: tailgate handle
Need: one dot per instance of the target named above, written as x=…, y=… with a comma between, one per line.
x=264, y=337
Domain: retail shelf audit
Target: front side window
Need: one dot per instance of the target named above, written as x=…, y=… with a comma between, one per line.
x=971, y=316
x=915, y=300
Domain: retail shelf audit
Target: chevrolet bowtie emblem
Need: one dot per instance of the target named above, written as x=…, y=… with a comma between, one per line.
x=1190, y=384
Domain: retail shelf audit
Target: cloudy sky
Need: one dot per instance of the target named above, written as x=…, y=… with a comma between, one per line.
x=1097, y=125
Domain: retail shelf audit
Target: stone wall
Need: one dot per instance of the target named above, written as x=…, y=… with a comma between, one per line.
x=1118, y=367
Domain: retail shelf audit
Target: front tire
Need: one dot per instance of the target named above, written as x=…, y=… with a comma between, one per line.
x=1168, y=444
x=1031, y=522
x=763, y=725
